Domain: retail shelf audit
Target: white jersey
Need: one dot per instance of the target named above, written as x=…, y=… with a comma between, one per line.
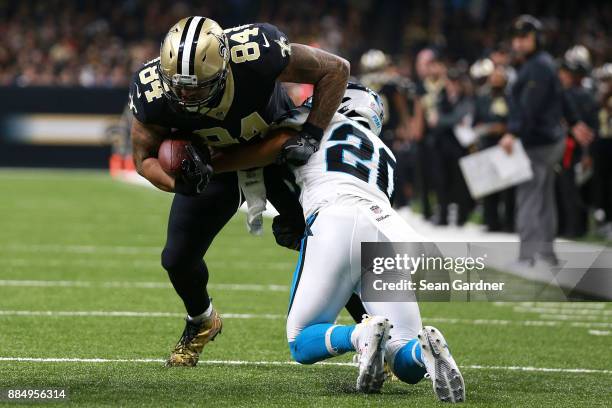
x=352, y=164
x=346, y=187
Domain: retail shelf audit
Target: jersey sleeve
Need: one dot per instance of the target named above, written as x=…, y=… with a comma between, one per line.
x=274, y=50
x=135, y=103
x=146, y=96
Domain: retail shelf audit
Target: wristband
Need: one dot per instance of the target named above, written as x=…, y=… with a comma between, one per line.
x=313, y=131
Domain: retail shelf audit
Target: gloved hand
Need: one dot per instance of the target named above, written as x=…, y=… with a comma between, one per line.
x=297, y=150
x=196, y=172
x=288, y=231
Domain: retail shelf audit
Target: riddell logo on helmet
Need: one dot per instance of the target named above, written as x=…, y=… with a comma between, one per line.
x=376, y=121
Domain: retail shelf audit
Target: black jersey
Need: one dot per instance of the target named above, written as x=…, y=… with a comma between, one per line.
x=252, y=99
x=491, y=108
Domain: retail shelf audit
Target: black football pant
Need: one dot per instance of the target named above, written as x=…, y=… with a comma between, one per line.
x=195, y=221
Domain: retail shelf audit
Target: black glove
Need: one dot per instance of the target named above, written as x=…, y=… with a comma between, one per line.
x=195, y=173
x=297, y=150
x=288, y=231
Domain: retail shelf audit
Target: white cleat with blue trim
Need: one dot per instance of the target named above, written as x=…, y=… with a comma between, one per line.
x=441, y=368
x=372, y=339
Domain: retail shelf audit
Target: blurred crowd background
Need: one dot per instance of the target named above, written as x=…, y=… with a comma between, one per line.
x=99, y=43
x=437, y=64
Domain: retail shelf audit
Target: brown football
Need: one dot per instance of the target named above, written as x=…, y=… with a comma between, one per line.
x=171, y=154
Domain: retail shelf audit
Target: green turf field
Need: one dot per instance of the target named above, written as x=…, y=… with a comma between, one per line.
x=80, y=279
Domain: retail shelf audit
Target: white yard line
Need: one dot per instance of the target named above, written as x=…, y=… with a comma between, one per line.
x=572, y=317
x=103, y=249
x=124, y=313
x=531, y=323
x=93, y=263
x=81, y=249
x=474, y=322
x=564, y=311
x=89, y=313
x=600, y=332
x=553, y=305
x=90, y=263
x=554, y=311
x=137, y=285
x=288, y=363
x=539, y=369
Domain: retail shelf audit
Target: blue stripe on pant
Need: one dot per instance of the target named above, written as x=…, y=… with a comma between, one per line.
x=311, y=344
x=300, y=265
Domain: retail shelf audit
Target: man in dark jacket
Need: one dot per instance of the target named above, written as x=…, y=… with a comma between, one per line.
x=536, y=112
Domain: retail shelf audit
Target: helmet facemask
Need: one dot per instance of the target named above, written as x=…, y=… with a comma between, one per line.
x=189, y=96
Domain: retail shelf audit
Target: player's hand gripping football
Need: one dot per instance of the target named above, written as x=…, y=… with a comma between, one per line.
x=195, y=174
x=297, y=150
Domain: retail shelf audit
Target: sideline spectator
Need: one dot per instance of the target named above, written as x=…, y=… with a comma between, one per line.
x=535, y=118
x=431, y=72
x=455, y=104
x=572, y=193
x=491, y=117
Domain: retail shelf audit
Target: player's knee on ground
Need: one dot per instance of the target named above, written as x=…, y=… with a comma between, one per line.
x=298, y=348
x=319, y=342
x=404, y=359
x=297, y=354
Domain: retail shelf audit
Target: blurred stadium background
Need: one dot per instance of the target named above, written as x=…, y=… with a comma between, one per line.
x=65, y=68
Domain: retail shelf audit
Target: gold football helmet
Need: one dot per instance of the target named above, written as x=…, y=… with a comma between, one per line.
x=373, y=60
x=193, y=63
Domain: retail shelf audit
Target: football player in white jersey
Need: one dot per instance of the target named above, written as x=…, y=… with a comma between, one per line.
x=346, y=188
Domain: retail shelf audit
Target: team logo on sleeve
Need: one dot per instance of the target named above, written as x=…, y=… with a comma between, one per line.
x=285, y=47
x=131, y=105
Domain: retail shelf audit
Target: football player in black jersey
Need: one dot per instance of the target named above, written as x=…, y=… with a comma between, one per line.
x=223, y=86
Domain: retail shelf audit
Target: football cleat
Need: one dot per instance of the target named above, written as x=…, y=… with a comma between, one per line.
x=441, y=367
x=187, y=351
x=373, y=336
x=389, y=375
